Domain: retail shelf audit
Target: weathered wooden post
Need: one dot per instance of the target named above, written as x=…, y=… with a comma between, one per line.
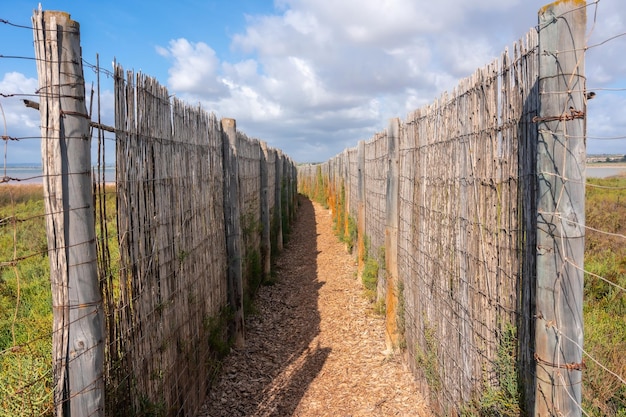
x=232, y=223
x=560, y=209
x=77, y=338
x=266, y=244
x=291, y=190
x=345, y=155
x=360, y=221
x=278, y=197
x=391, y=234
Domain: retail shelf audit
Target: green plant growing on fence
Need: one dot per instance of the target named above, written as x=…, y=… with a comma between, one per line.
x=340, y=214
x=149, y=408
x=369, y=276
x=427, y=358
x=253, y=278
x=380, y=307
x=250, y=226
x=219, y=339
x=351, y=237
x=401, y=316
x=503, y=399
x=216, y=328
x=252, y=266
x=182, y=255
x=285, y=208
x=320, y=194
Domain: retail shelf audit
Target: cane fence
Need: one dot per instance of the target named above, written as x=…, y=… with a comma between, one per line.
x=451, y=195
x=473, y=170
x=163, y=265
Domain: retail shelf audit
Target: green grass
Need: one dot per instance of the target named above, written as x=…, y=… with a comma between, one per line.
x=605, y=304
x=25, y=304
x=427, y=358
x=26, y=301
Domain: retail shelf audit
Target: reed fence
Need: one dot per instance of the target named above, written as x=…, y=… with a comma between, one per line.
x=428, y=191
x=152, y=274
x=470, y=212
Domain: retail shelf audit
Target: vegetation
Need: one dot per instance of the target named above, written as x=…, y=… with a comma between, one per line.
x=252, y=264
x=605, y=303
x=345, y=225
x=401, y=316
x=502, y=399
x=319, y=193
x=219, y=339
x=370, y=278
x=25, y=304
x=427, y=358
x=286, y=210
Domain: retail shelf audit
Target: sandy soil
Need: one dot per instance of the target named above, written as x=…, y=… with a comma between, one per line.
x=314, y=347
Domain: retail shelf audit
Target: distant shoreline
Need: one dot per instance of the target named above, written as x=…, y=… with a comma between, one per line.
x=606, y=165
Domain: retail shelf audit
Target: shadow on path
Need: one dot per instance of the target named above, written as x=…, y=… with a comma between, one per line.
x=281, y=358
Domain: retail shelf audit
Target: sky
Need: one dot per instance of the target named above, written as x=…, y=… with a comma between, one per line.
x=311, y=77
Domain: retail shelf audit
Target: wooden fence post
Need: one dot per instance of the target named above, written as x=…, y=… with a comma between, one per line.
x=560, y=209
x=232, y=223
x=77, y=338
x=391, y=234
x=347, y=189
x=361, y=249
x=278, y=198
x=266, y=244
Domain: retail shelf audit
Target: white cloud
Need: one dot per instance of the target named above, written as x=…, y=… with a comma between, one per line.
x=16, y=113
x=318, y=74
x=18, y=121
x=195, y=67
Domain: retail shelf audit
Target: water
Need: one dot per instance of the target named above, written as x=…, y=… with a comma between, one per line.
x=32, y=174
x=604, y=171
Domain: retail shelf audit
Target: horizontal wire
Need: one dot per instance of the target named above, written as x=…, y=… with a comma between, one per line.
x=606, y=41
x=619, y=287
x=6, y=22
x=597, y=362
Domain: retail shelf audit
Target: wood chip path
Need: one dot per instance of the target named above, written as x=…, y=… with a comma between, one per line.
x=314, y=346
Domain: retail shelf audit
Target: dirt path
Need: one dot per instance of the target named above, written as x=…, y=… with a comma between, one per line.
x=315, y=348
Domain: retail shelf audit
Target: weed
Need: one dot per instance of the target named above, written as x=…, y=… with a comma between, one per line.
x=217, y=329
x=148, y=408
x=504, y=398
x=253, y=276
x=426, y=358
x=380, y=308
x=370, y=278
x=400, y=316
x=351, y=235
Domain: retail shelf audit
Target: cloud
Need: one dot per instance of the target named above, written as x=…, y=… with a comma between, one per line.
x=18, y=121
x=195, y=67
x=319, y=74
x=23, y=124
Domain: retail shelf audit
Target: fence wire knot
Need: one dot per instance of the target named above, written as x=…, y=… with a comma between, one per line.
x=573, y=114
x=572, y=366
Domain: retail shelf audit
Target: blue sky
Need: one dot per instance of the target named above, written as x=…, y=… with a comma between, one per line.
x=311, y=77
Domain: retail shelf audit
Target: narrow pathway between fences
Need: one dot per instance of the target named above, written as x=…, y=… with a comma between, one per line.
x=314, y=346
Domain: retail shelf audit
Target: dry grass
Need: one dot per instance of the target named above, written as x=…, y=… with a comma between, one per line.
x=20, y=193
